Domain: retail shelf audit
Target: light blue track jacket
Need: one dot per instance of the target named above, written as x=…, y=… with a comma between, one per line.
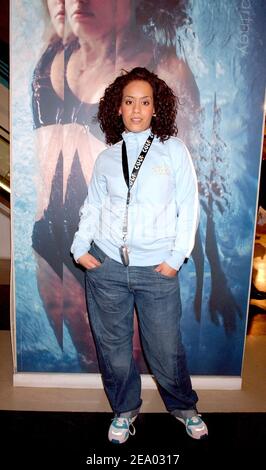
x=163, y=211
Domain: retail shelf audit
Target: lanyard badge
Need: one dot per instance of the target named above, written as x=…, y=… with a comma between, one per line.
x=124, y=255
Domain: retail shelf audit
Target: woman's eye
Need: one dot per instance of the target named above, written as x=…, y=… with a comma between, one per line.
x=128, y=102
x=146, y=103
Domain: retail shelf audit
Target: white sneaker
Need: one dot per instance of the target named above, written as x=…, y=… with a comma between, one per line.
x=195, y=427
x=120, y=429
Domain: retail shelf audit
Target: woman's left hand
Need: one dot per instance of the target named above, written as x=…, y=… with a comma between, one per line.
x=166, y=270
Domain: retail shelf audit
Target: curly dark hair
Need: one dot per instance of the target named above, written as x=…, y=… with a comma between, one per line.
x=165, y=104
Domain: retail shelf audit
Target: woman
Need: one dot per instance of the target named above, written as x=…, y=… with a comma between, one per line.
x=136, y=259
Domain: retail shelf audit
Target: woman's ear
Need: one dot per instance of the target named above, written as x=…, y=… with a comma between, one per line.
x=119, y=111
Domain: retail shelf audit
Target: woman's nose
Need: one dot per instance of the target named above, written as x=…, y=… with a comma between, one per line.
x=136, y=107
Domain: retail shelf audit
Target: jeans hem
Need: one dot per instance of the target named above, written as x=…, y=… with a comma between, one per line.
x=184, y=413
x=128, y=414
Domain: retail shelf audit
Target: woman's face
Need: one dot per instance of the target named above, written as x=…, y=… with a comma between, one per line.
x=97, y=18
x=57, y=13
x=137, y=107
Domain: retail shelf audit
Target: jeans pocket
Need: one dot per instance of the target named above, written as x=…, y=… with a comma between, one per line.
x=98, y=254
x=163, y=276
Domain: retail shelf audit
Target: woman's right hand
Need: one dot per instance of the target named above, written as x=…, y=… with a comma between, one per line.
x=88, y=261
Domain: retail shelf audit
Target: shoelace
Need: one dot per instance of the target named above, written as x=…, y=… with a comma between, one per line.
x=132, y=431
x=121, y=421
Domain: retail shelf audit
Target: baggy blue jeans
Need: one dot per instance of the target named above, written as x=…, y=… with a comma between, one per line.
x=112, y=290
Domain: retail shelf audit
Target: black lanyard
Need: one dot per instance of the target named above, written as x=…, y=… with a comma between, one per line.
x=130, y=181
x=123, y=250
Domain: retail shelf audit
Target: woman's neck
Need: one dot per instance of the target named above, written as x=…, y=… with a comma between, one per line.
x=94, y=51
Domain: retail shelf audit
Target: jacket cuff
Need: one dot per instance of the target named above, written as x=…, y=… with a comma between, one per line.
x=175, y=260
x=80, y=250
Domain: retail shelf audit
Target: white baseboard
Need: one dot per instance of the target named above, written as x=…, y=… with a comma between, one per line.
x=94, y=381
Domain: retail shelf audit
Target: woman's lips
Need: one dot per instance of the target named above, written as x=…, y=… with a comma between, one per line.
x=82, y=13
x=60, y=15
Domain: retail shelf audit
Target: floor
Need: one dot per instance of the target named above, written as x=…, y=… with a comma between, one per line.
x=74, y=440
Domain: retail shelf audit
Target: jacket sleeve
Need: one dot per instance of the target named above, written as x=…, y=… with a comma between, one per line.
x=187, y=203
x=90, y=213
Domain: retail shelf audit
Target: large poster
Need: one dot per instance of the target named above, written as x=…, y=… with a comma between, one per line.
x=63, y=55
